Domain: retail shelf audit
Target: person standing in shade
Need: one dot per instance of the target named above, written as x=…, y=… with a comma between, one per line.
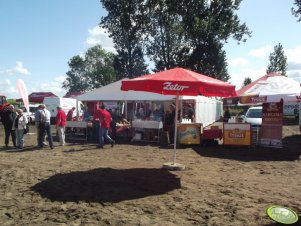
x=190, y=112
x=20, y=123
x=227, y=115
x=104, y=118
x=47, y=127
x=8, y=117
x=60, y=124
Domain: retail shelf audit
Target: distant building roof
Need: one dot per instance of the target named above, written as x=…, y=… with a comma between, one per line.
x=38, y=97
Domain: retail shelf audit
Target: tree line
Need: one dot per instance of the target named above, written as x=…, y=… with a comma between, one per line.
x=169, y=33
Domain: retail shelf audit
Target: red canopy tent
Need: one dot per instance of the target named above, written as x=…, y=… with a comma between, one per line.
x=179, y=82
x=38, y=97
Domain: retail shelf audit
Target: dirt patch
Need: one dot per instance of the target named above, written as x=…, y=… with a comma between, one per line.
x=79, y=184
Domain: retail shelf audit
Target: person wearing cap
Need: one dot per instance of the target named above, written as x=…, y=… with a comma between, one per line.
x=104, y=118
x=60, y=124
x=47, y=128
x=8, y=118
x=20, y=123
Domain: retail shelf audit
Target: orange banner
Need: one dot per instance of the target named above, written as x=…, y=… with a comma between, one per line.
x=237, y=134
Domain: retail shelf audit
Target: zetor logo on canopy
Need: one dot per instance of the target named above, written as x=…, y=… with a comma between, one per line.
x=173, y=87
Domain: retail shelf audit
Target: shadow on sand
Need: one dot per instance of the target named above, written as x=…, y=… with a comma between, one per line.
x=290, y=152
x=107, y=185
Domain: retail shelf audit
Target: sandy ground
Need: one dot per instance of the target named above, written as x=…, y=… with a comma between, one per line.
x=79, y=184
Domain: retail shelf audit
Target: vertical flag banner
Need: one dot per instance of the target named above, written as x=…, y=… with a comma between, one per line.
x=23, y=93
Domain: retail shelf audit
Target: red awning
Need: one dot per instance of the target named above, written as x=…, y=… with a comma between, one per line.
x=180, y=81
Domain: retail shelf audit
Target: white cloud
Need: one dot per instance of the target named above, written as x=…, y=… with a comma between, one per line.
x=99, y=36
x=8, y=88
x=54, y=86
x=294, y=62
x=293, y=55
x=238, y=62
x=238, y=78
x=261, y=53
x=17, y=70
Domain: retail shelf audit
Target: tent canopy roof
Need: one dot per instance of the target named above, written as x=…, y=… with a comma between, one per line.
x=113, y=92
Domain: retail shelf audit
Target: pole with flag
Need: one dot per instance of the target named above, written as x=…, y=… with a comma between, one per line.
x=23, y=93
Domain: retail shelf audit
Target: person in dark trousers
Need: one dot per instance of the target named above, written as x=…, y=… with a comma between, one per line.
x=47, y=128
x=227, y=115
x=104, y=118
x=113, y=123
x=8, y=118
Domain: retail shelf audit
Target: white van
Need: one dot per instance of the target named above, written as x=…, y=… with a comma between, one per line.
x=66, y=103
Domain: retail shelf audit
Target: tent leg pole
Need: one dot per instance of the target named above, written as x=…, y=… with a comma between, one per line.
x=175, y=134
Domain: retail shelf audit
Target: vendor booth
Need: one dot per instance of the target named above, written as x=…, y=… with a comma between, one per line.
x=179, y=82
x=147, y=113
x=272, y=91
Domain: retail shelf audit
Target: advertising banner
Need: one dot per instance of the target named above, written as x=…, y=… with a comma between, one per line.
x=237, y=134
x=271, y=129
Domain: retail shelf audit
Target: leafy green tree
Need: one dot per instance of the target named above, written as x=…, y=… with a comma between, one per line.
x=186, y=33
x=247, y=81
x=124, y=23
x=99, y=67
x=278, y=61
x=76, y=76
x=297, y=12
x=208, y=25
x=125, y=69
x=93, y=70
x=165, y=42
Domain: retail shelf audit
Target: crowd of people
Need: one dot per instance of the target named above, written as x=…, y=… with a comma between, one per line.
x=108, y=124
x=15, y=123
x=15, y=126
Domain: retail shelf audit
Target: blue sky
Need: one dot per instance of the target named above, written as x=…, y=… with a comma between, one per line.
x=39, y=37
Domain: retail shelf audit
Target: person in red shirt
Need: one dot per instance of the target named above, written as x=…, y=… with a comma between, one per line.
x=60, y=124
x=104, y=118
x=70, y=114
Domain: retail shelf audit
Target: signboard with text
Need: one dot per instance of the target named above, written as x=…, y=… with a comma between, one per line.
x=237, y=134
x=272, y=121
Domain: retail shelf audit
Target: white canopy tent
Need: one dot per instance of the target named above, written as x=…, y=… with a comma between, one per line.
x=113, y=92
x=208, y=110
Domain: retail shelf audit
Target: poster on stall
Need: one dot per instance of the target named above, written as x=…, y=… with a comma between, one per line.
x=237, y=134
x=189, y=133
x=272, y=121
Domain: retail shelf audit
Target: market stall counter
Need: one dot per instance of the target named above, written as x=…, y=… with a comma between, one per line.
x=147, y=130
x=77, y=130
x=212, y=134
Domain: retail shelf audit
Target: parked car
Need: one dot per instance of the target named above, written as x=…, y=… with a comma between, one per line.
x=253, y=116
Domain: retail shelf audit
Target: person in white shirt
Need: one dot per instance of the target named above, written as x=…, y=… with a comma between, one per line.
x=47, y=126
x=20, y=124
